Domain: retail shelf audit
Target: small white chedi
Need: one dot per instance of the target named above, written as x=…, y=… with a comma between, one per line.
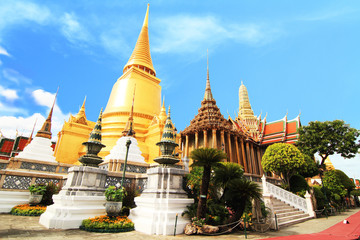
x=118, y=152
x=40, y=147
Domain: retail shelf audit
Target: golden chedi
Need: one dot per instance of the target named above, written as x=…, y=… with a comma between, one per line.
x=148, y=117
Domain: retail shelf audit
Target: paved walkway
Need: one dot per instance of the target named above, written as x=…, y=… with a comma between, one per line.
x=18, y=227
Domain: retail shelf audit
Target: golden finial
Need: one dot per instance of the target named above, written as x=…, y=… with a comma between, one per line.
x=145, y=24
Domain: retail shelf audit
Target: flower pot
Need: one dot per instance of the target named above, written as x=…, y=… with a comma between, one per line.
x=35, y=199
x=113, y=208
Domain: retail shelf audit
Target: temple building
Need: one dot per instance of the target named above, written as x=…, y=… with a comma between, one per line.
x=148, y=116
x=244, y=139
x=73, y=133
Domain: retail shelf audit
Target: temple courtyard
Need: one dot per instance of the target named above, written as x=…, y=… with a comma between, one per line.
x=20, y=227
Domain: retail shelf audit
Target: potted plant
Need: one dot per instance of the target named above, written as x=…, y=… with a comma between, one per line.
x=114, y=197
x=36, y=193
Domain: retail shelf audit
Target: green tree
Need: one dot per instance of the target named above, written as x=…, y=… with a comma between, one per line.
x=327, y=138
x=225, y=173
x=206, y=158
x=345, y=181
x=239, y=192
x=283, y=159
x=311, y=168
x=333, y=183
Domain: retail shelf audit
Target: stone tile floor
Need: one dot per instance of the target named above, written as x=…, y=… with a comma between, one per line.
x=18, y=227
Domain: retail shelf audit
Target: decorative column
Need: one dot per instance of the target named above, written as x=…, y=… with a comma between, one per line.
x=205, y=138
x=268, y=202
x=196, y=140
x=237, y=150
x=251, y=169
x=214, y=142
x=254, y=158
x=186, y=146
x=222, y=139
x=309, y=204
x=229, y=144
x=246, y=169
x=259, y=160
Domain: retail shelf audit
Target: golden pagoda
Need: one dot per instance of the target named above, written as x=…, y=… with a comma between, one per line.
x=74, y=132
x=142, y=108
x=246, y=115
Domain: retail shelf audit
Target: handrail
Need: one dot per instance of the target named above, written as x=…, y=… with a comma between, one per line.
x=288, y=197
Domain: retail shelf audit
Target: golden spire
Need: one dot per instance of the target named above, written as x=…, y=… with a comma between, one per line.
x=162, y=115
x=245, y=110
x=30, y=138
x=141, y=56
x=208, y=95
x=129, y=131
x=81, y=116
x=45, y=130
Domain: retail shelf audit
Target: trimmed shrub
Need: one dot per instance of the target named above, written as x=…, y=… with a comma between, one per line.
x=298, y=184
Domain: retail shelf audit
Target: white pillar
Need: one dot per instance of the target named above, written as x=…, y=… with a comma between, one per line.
x=309, y=204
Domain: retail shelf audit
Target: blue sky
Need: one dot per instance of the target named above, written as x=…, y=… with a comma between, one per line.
x=298, y=56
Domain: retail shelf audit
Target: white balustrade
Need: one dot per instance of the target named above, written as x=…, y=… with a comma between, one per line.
x=287, y=197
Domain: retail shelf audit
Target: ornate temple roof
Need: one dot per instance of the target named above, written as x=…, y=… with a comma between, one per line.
x=45, y=130
x=141, y=56
x=283, y=130
x=209, y=115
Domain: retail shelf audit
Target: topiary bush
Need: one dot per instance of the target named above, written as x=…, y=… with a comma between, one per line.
x=298, y=185
x=320, y=197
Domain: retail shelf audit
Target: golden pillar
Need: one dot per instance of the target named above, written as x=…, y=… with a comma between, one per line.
x=214, y=143
x=205, y=138
x=196, y=140
x=222, y=139
x=237, y=150
x=248, y=157
x=186, y=146
x=229, y=144
x=243, y=155
x=259, y=161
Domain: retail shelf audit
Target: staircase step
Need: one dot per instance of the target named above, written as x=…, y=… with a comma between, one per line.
x=292, y=217
x=294, y=221
x=282, y=210
x=286, y=214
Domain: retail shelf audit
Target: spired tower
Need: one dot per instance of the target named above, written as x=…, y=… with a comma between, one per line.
x=246, y=114
x=138, y=71
x=143, y=106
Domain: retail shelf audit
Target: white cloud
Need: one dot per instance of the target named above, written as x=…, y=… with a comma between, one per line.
x=16, y=12
x=9, y=94
x=72, y=29
x=183, y=34
x=24, y=125
x=327, y=14
x=4, y=52
x=9, y=124
x=15, y=76
x=6, y=110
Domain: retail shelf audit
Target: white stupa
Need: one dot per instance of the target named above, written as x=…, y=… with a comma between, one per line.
x=118, y=152
x=40, y=147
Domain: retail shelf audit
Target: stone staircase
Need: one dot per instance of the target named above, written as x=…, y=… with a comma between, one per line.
x=288, y=215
